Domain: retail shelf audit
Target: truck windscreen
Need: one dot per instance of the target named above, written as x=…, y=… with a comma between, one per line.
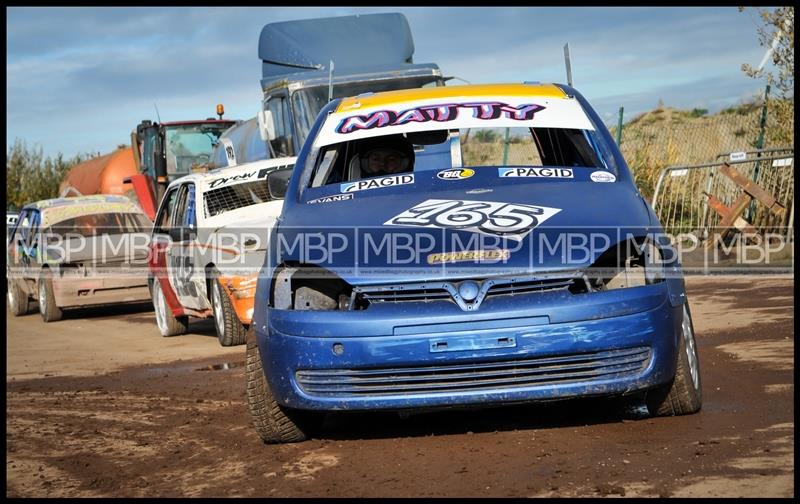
x=189, y=146
x=307, y=102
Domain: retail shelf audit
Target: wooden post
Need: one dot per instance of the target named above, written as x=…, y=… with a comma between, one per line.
x=732, y=216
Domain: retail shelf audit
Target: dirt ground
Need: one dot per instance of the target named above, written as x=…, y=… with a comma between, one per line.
x=99, y=404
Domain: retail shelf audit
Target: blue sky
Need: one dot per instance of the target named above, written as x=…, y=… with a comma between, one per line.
x=80, y=79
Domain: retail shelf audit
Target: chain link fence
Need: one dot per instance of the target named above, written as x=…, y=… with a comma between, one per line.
x=667, y=137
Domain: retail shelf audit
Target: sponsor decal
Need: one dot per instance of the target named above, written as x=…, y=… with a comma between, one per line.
x=783, y=162
x=678, y=173
x=230, y=153
x=239, y=178
x=456, y=112
x=455, y=174
x=331, y=199
x=469, y=255
x=602, y=176
x=509, y=220
x=737, y=156
x=377, y=183
x=536, y=172
x=440, y=112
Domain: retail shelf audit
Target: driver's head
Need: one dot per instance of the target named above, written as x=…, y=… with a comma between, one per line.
x=385, y=155
x=85, y=224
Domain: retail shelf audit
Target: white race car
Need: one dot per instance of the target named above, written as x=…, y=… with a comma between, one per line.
x=208, y=244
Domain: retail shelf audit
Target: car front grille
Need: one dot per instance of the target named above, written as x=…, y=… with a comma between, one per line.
x=389, y=295
x=363, y=296
x=477, y=376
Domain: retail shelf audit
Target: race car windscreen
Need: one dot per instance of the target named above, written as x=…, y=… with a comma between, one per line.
x=513, y=132
x=227, y=198
x=477, y=147
x=111, y=223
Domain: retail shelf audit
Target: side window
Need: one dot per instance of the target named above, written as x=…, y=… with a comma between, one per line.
x=163, y=220
x=23, y=224
x=304, y=116
x=330, y=165
x=190, y=218
x=283, y=143
x=149, y=153
x=34, y=228
x=179, y=214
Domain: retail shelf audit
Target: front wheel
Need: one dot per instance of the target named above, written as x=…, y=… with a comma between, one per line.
x=17, y=299
x=47, y=300
x=684, y=395
x=168, y=324
x=273, y=422
x=230, y=330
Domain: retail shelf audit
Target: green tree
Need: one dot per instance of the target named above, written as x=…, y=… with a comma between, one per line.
x=32, y=177
x=778, y=29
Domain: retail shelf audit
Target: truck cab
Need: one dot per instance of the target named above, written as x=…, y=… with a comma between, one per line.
x=306, y=63
x=168, y=151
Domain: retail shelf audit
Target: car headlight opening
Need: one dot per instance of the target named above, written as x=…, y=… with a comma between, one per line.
x=309, y=288
x=632, y=263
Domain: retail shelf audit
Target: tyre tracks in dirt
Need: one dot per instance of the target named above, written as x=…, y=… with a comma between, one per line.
x=182, y=428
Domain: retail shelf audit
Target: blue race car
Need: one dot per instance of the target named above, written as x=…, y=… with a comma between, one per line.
x=463, y=246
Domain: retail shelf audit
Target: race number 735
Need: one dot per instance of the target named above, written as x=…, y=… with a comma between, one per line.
x=488, y=217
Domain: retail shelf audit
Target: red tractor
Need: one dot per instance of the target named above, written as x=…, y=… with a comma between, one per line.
x=159, y=154
x=166, y=151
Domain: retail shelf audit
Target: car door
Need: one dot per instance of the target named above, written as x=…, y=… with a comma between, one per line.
x=34, y=247
x=177, y=266
x=28, y=245
x=189, y=274
x=16, y=246
x=160, y=245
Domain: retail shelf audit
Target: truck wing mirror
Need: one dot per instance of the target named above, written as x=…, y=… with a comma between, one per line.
x=278, y=181
x=266, y=126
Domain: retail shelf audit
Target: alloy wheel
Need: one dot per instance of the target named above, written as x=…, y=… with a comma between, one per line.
x=219, y=316
x=691, y=350
x=160, y=305
x=42, y=298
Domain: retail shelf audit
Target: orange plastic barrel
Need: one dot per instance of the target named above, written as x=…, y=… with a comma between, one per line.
x=102, y=175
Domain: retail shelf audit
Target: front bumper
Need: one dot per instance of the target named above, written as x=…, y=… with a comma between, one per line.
x=514, y=349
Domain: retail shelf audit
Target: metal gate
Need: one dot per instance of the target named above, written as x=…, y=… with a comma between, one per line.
x=681, y=204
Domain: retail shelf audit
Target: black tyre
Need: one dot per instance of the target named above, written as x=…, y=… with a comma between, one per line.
x=168, y=324
x=273, y=422
x=17, y=298
x=230, y=330
x=47, y=300
x=684, y=395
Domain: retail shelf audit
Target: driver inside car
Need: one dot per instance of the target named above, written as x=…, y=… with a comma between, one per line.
x=385, y=156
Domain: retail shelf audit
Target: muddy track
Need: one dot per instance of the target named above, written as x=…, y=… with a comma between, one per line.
x=183, y=428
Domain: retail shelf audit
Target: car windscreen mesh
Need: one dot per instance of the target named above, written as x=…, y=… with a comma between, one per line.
x=224, y=199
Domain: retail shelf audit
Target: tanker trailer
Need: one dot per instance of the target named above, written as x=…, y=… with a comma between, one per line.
x=102, y=175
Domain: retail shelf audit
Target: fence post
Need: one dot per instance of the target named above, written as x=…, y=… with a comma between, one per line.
x=763, y=124
x=759, y=145
x=619, y=127
x=505, y=148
